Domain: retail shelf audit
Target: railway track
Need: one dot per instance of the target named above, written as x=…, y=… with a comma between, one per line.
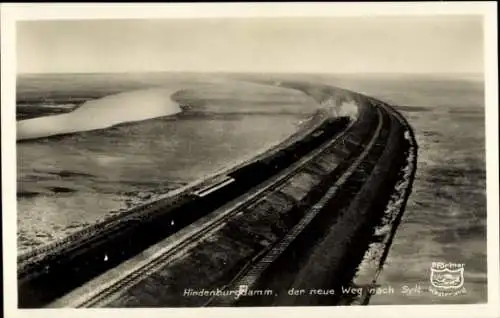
x=360, y=144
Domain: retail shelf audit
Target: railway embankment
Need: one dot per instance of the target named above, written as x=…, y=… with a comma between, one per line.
x=306, y=216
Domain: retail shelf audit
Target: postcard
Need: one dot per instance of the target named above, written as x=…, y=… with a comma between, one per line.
x=329, y=159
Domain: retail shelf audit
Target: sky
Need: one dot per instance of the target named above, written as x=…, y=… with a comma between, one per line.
x=411, y=44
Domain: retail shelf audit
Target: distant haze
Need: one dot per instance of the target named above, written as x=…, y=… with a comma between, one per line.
x=431, y=44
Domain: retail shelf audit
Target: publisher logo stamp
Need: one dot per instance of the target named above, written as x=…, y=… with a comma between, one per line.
x=447, y=279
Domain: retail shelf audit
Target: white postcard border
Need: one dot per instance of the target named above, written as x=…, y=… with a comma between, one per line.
x=10, y=13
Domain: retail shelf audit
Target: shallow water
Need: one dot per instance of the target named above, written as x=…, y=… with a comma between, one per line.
x=102, y=113
x=445, y=220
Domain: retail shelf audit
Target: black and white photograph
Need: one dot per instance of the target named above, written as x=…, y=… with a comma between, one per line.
x=241, y=156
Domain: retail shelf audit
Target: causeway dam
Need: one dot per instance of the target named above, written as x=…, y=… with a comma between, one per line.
x=317, y=213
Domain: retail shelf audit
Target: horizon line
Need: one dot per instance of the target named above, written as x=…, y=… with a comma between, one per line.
x=256, y=72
